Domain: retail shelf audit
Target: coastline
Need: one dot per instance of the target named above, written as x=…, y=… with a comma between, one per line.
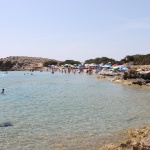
x=128, y=82
x=137, y=75
x=133, y=139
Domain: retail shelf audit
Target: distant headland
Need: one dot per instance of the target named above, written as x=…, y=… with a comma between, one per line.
x=21, y=63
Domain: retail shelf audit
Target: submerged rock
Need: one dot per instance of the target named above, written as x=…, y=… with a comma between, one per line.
x=101, y=77
x=6, y=124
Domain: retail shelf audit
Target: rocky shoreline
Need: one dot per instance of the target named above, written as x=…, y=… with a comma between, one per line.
x=135, y=139
x=134, y=76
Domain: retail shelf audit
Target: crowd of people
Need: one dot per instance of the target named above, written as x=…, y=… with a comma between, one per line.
x=65, y=70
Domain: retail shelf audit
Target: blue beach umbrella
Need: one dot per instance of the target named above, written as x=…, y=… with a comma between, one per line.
x=80, y=65
x=122, y=68
x=107, y=66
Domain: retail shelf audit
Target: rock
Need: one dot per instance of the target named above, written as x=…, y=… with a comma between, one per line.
x=123, y=145
x=147, y=76
x=147, y=81
x=135, y=147
x=6, y=124
x=127, y=82
x=101, y=77
x=129, y=142
x=137, y=82
x=117, y=81
x=133, y=74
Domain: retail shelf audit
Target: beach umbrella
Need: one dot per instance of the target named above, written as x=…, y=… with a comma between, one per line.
x=91, y=65
x=102, y=64
x=80, y=65
x=115, y=67
x=86, y=65
x=115, y=64
x=107, y=66
x=71, y=65
x=124, y=68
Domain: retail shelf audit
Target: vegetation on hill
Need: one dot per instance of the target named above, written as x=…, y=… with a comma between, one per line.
x=134, y=59
x=72, y=62
x=53, y=62
x=101, y=60
x=137, y=59
x=50, y=62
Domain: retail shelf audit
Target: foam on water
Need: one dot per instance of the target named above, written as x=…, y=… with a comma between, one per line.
x=66, y=111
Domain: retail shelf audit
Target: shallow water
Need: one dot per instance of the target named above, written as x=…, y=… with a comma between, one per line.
x=66, y=111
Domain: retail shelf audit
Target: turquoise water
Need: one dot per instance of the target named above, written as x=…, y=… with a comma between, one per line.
x=66, y=111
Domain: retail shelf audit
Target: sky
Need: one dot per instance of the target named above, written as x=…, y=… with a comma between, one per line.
x=74, y=29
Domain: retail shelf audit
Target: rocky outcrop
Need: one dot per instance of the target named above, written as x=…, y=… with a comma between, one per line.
x=140, y=67
x=130, y=77
x=137, y=139
x=133, y=74
x=132, y=81
x=23, y=63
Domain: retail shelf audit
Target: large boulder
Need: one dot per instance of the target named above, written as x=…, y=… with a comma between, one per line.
x=133, y=74
x=147, y=76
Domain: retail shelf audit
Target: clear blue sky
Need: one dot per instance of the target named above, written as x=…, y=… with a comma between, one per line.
x=74, y=29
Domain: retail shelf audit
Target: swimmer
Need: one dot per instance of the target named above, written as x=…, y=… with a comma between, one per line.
x=2, y=91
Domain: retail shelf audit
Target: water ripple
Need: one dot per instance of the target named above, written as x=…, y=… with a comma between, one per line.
x=64, y=111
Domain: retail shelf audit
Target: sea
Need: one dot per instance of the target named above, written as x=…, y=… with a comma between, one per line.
x=67, y=111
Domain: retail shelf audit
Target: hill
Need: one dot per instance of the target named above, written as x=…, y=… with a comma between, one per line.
x=22, y=63
x=137, y=59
